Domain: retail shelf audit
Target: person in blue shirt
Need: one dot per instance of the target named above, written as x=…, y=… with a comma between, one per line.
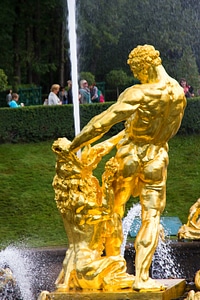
x=13, y=102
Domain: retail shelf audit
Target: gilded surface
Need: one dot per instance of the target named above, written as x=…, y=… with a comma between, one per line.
x=91, y=213
x=193, y=296
x=90, y=222
x=191, y=230
x=6, y=277
x=197, y=280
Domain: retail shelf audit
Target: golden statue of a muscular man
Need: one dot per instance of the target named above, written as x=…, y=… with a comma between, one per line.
x=153, y=111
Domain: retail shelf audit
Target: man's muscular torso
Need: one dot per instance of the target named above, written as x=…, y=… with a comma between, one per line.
x=158, y=115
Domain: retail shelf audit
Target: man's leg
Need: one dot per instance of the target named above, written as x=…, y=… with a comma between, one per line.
x=114, y=241
x=153, y=199
x=147, y=238
x=118, y=185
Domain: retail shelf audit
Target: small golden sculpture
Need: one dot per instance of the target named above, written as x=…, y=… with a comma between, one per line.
x=193, y=296
x=92, y=214
x=43, y=295
x=6, y=277
x=191, y=230
x=197, y=280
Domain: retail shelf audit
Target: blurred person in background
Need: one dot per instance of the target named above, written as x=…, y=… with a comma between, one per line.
x=13, y=103
x=9, y=96
x=53, y=98
x=94, y=93
x=63, y=95
x=69, y=92
x=85, y=97
x=188, y=89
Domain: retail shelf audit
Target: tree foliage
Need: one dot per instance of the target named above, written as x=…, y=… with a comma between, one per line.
x=87, y=76
x=35, y=47
x=3, y=80
x=99, y=31
x=171, y=26
x=117, y=78
x=187, y=65
x=31, y=40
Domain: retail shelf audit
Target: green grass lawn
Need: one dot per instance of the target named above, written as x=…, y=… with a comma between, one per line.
x=28, y=212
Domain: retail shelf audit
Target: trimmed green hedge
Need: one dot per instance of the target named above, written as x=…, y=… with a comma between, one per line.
x=40, y=123
x=191, y=120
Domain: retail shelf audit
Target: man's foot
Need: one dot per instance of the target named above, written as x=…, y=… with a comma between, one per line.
x=148, y=285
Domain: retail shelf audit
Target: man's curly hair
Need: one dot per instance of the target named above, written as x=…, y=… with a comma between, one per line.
x=142, y=57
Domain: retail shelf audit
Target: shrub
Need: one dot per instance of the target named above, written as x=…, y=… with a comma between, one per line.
x=117, y=78
x=3, y=80
x=87, y=76
x=40, y=123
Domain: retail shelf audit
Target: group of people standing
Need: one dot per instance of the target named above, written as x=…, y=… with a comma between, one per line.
x=91, y=94
x=87, y=94
x=59, y=95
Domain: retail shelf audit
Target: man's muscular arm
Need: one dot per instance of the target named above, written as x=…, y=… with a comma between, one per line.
x=127, y=104
x=93, y=155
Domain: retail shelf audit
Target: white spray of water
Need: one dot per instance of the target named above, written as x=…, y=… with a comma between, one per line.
x=164, y=264
x=20, y=266
x=74, y=64
x=134, y=212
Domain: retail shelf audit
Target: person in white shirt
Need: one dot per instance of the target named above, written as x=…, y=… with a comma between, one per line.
x=53, y=98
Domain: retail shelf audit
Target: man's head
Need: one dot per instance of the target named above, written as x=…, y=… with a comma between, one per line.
x=141, y=59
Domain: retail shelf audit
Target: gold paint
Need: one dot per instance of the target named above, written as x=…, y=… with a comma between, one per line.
x=6, y=277
x=44, y=295
x=191, y=230
x=193, y=296
x=89, y=222
x=92, y=214
x=174, y=289
x=197, y=280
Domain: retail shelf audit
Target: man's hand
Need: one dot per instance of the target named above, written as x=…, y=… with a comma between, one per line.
x=91, y=156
